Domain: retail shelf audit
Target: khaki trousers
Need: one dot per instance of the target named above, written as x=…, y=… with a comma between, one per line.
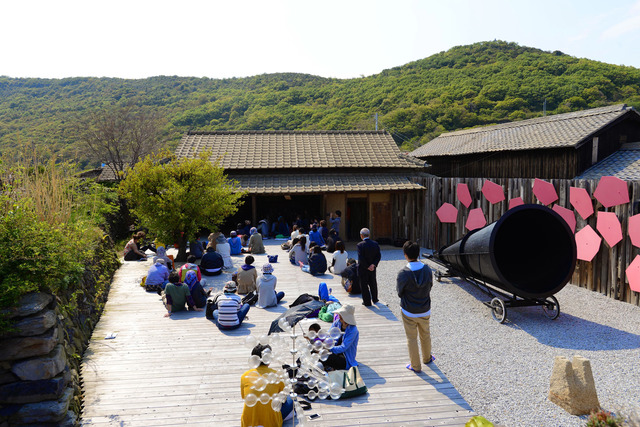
x=414, y=326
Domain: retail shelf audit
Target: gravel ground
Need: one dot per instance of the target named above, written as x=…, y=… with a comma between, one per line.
x=503, y=371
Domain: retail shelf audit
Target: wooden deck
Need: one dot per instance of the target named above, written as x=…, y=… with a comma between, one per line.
x=184, y=370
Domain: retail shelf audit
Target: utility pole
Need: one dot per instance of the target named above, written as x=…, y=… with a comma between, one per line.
x=376, y=118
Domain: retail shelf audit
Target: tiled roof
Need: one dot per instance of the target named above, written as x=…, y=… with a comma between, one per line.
x=624, y=164
x=560, y=130
x=242, y=150
x=321, y=183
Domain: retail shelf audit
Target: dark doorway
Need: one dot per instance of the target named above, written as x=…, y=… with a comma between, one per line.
x=357, y=217
x=307, y=206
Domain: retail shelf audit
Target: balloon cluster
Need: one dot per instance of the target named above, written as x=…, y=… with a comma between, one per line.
x=305, y=358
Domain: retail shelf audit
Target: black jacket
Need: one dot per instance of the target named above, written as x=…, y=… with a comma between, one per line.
x=414, y=288
x=211, y=260
x=368, y=253
x=317, y=264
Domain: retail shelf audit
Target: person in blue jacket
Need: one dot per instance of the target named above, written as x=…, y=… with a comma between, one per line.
x=315, y=236
x=343, y=354
x=235, y=243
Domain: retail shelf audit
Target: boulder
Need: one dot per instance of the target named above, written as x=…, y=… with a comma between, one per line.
x=41, y=368
x=34, y=325
x=572, y=386
x=43, y=413
x=24, y=347
x=32, y=391
x=28, y=304
x=7, y=377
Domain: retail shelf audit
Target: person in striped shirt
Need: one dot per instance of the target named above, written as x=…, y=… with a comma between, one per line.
x=229, y=312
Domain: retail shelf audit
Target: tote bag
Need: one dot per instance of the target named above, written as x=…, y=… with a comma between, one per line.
x=351, y=381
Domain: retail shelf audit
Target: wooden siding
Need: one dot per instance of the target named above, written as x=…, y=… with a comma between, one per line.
x=605, y=273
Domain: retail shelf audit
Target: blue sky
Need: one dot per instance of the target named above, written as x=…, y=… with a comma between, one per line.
x=348, y=38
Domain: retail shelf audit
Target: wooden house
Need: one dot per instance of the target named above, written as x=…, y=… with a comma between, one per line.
x=558, y=146
x=363, y=174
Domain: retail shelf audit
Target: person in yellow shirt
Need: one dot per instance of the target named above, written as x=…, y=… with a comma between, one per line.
x=262, y=414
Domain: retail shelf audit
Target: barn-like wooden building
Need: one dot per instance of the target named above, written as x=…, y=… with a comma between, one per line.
x=363, y=174
x=558, y=146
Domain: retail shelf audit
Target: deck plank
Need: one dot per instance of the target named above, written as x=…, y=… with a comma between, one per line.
x=185, y=371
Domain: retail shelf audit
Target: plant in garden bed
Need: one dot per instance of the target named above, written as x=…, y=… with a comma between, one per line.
x=604, y=418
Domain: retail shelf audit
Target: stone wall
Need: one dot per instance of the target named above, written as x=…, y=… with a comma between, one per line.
x=40, y=356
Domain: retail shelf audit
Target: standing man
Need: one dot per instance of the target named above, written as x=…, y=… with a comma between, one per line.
x=368, y=259
x=414, y=289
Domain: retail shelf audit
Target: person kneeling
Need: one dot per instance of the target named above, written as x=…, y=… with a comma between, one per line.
x=229, y=312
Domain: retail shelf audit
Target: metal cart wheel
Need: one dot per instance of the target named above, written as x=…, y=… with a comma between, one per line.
x=551, y=308
x=498, y=310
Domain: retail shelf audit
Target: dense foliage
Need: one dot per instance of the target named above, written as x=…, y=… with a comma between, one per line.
x=466, y=86
x=48, y=228
x=176, y=199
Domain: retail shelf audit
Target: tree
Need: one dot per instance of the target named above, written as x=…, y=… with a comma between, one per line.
x=176, y=199
x=120, y=136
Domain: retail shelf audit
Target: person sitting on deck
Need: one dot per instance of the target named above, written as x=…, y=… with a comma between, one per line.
x=161, y=253
x=262, y=414
x=224, y=249
x=315, y=236
x=351, y=274
x=343, y=354
x=195, y=247
x=292, y=253
x=176, y=295
x=157, y=277
x=323, y=230
x=211, y=263
x=267, y=295
x=332, y=240
x=235, y=243
x=300, y=251
x=247, y=276
x=132, y=250
x=317, y=263
x=255, y=245
x=228, y=310
x=190, y=265
x=196, y=290
x=339, y=259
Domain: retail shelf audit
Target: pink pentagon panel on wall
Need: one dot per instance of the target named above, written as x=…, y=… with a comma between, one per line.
x=567, y=215
x=609, y=227
x=476, y=219
x=634, y=230
x=611, y=191
x=493, y=192
x=587, y=243
x=633, y=274
x=447, y=213
x=463, y=194
x=544, y=191
x=581, y=201
x=516, y=201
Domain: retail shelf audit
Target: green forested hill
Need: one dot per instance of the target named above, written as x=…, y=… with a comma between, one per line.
x=466, y=86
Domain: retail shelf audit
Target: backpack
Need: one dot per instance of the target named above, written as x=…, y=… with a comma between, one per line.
x=209, y=310
x=251, y=298
x=272, y=258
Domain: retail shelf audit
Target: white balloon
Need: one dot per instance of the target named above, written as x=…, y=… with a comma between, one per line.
x=250, y=342
x=323, y=394
x=323, y=385
x=329, y=343
x=335, y=396
x=276, y=405
x=312, y=394
x=317, y=345
x=323, y=335
x=335, y=333
x=267, y=357
x=254, y=361
x=284, y=325
x=324, y=354
x=250, y=400
x=264, y=398
x=264, y=339
x=260, y=383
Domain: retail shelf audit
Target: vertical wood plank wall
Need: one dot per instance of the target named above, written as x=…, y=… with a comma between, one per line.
x=415, y=218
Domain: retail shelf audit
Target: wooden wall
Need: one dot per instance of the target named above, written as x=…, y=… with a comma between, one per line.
x=604, y=274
